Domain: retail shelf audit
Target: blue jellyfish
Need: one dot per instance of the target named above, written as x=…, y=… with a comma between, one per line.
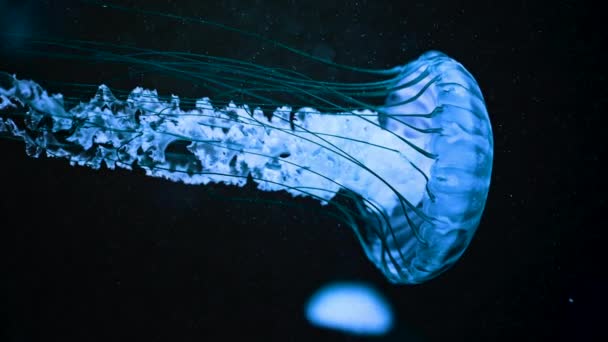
x=405, y=159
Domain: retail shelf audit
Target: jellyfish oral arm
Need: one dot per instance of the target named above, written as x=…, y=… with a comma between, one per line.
x=321, y=154
x=417, y=169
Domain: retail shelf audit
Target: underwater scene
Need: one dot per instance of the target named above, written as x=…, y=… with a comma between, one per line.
x=273, y=170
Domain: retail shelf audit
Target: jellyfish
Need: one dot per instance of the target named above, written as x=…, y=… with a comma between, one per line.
x=405, y=159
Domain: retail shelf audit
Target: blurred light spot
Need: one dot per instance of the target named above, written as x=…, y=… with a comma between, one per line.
x=350, y=307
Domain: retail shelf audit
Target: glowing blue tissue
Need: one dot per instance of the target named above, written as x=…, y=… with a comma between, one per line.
x=410, y=176
x=350, y=307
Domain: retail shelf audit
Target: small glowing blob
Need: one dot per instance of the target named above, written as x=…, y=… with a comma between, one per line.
x=353, y=308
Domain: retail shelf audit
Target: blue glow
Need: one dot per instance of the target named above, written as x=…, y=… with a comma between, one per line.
x=350, y=307
x=406, y=159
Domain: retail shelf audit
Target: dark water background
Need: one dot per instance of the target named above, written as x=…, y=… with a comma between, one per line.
x=112, y=255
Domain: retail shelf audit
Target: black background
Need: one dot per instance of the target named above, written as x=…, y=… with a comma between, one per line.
x=112, y=255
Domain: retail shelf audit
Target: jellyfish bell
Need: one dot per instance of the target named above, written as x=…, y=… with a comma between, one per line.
x=438, y=107
x=415, y=170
